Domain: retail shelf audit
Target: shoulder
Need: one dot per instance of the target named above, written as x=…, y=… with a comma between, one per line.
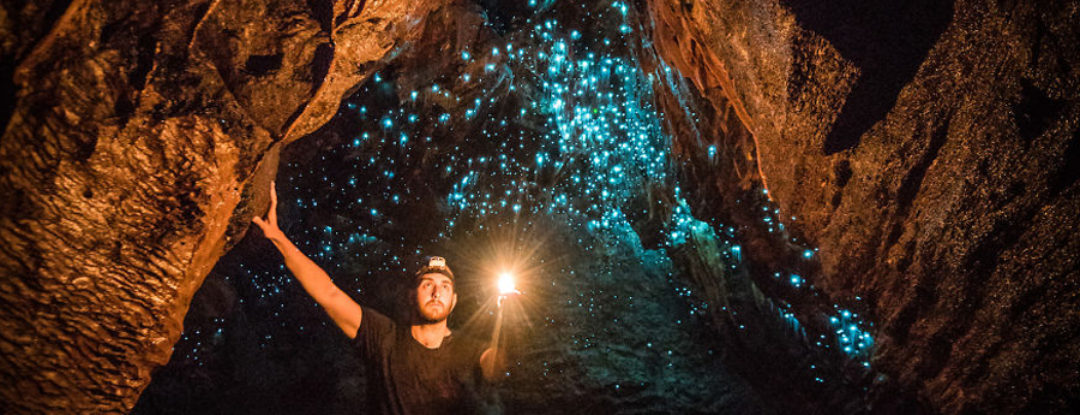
x=375, y=327
x=375, y=316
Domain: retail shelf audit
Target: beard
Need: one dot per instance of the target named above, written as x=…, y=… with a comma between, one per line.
x=430, y=313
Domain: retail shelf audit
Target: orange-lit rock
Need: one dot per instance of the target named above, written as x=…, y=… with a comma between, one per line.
x=138, y=128
x=929, y=149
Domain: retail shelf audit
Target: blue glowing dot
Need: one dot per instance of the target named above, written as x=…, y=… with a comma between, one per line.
x=624, y=28
x=808, y=254
x=387, y=122
x=465, y=55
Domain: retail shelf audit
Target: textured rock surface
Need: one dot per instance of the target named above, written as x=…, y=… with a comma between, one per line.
x=137, y=128
x=930, y=151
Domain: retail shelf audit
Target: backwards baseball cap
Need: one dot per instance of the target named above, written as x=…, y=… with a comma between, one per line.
x=434, y=265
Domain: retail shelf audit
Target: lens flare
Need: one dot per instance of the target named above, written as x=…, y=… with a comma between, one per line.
x=506, y=284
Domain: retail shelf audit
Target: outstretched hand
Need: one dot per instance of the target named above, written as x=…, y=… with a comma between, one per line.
x=269, y=225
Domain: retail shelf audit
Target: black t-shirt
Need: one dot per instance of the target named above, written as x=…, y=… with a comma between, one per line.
x=407, y=378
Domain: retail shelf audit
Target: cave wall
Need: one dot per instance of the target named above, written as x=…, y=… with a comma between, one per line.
x=930, y=151
x=129, y=165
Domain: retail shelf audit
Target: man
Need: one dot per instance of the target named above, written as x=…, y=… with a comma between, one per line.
x=419, y=368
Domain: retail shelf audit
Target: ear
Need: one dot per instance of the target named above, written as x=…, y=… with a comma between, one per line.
x=453, y=302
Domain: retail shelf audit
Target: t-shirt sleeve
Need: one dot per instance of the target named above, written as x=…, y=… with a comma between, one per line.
x=375, y=333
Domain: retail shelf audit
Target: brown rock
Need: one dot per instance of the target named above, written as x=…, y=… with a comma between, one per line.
x=929, y=150
x=138, y=128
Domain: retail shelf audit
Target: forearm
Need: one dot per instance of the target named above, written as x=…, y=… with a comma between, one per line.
x=345, y=312
x=493, y=362
x=495, y=359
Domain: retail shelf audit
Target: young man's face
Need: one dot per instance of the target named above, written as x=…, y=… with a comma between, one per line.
x=435, y=297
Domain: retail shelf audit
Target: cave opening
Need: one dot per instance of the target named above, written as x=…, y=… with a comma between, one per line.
x=777, y=206
x=530, y=138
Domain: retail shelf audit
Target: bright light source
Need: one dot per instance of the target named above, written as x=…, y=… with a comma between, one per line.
x=506, y=283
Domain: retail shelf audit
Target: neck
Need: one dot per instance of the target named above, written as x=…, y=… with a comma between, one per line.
x=430, y=335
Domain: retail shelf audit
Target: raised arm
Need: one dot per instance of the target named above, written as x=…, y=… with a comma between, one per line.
x=495, y=360
x=345, y=312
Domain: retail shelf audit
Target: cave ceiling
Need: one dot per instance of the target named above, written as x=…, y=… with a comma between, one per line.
x=713, y=207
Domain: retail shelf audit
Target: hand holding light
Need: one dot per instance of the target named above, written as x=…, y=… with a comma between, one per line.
x=506, y=287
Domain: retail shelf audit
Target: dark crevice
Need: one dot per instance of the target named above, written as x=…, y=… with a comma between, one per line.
x=146, y=51
x=1068, y=172
x=843, y=173
x=323, y=13
x=8, y=63
x=887, y=41
x=355, y=6
x=1035, y=112
x=324, y=58
x=262, y=65
x=8, y=92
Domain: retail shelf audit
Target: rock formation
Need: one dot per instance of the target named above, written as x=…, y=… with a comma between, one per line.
x=138, y=128
x=929, y=149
